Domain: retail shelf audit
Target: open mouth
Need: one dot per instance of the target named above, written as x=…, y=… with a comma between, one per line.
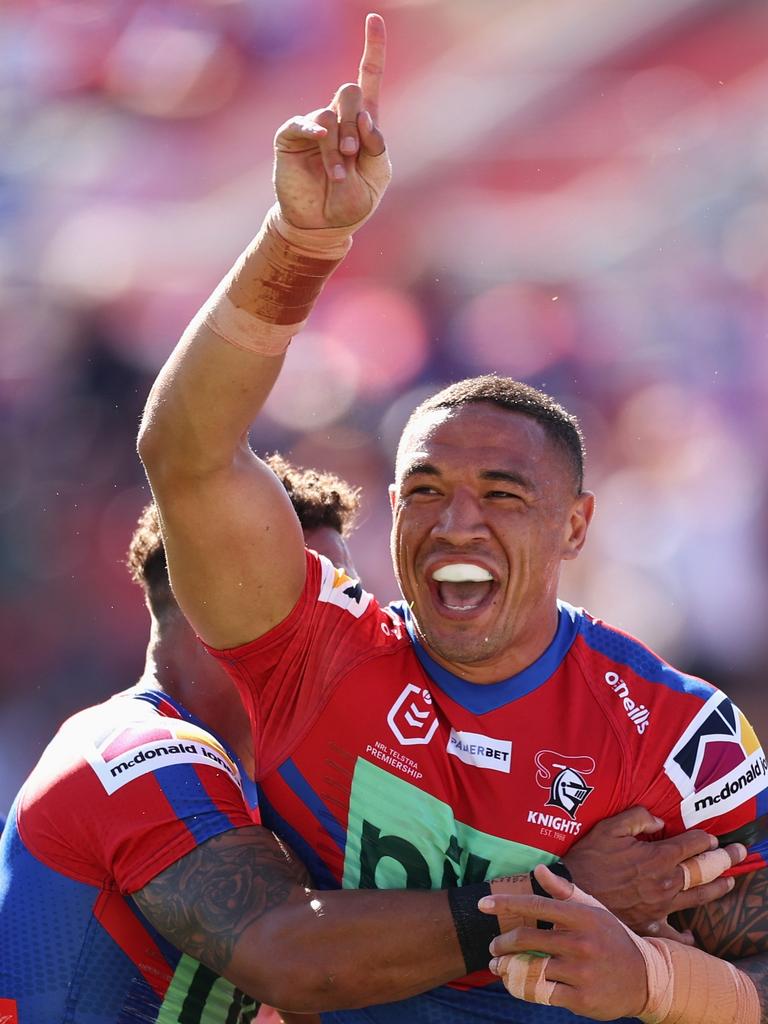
x=462, y=587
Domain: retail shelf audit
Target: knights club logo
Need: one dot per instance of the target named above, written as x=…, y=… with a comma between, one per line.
x=412, y=717
x=564, y=778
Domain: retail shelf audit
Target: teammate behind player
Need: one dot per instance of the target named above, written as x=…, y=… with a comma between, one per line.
x=479, y=726
x=154, y=770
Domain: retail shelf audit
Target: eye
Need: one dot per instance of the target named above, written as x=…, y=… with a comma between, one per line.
x=423, y=489
x=504, y=494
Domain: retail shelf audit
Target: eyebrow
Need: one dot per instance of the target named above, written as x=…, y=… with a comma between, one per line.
x=421, y=469
x=501, y=475
x=509, y=477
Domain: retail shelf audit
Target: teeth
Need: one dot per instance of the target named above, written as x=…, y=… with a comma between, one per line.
x=461, y=572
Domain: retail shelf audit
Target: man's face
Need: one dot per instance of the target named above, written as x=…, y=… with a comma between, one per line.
x=485, y=508
x=329, y=542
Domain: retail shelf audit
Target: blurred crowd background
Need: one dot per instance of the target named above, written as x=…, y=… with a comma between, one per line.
x=579, y=200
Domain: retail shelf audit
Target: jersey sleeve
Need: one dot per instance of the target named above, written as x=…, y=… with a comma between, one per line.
x=715, y=777
x=143, y=795
x=286, y=676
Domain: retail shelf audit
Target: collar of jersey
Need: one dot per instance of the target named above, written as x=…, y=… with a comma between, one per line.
x=480, y=699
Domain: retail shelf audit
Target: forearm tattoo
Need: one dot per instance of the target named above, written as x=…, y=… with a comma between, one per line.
x=735, y=928
x=736, y=925
x=204, y=902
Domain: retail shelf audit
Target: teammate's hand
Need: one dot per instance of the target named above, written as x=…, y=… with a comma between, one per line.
x=590, y=965
x=643, y=882
x=331, y=166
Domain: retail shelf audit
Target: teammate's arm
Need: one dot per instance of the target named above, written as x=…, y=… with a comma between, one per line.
x=233, y=543
x=234, y=904
x=641, y=882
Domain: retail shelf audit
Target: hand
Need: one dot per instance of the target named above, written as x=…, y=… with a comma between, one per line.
x=642, y=882
x=331, y=166
x=591, y=966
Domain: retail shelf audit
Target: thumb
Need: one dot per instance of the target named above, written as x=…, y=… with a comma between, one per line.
x=561, y=889
x=552, y=884
x=296, y=132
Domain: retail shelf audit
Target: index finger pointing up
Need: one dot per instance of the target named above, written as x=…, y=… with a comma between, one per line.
x=371, y=68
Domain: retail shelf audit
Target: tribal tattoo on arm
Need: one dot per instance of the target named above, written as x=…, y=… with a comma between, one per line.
x=206, y=900
x=735, y=928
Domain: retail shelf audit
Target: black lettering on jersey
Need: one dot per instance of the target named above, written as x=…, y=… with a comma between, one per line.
x=354, y=593
x=476, y=869
x=374, y=847
x=242, y=1009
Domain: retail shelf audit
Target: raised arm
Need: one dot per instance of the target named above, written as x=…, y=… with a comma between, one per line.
x=233, y=543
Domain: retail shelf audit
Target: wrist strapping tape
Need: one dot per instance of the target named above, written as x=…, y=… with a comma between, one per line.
x=267, y=296
x=685, y=984
x=688, y=986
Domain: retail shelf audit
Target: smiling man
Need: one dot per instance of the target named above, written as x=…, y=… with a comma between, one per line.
x=479, y=726
x=492, y=468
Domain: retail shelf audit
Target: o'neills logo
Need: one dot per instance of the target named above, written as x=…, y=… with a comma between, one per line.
x=638, y=714
x=756, y=770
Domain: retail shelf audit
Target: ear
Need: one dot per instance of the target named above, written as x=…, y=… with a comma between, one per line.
x=392, y=496
x=579, y=518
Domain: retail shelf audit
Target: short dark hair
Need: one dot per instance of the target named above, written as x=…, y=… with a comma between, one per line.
x=561, y=426
x=320, y=499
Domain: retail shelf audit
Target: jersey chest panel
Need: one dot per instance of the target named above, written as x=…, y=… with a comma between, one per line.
x=396, y=785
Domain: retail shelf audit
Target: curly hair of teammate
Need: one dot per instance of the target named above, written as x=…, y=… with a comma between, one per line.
x=320, y=499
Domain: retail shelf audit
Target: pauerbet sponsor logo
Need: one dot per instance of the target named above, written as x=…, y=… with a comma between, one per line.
x=638, y=714
x=481, y=751
x=757, y=769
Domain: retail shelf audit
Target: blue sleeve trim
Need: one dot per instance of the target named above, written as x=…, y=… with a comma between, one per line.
x=191, y=802
x=625, y=650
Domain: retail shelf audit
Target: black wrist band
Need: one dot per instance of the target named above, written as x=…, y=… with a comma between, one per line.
x=474, y=929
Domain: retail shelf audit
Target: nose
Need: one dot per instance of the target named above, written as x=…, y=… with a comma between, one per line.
x=461, y=520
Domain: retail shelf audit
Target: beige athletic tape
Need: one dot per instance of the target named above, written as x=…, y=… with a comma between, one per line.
x=704, y=867
x=513, y=885
x=524, y=977
x=267, y=296
x=685, y=984
x=688, y=986
x=524, y=974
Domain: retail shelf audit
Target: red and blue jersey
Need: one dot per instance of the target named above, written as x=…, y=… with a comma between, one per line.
x=383, y=769
x=123, y=791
